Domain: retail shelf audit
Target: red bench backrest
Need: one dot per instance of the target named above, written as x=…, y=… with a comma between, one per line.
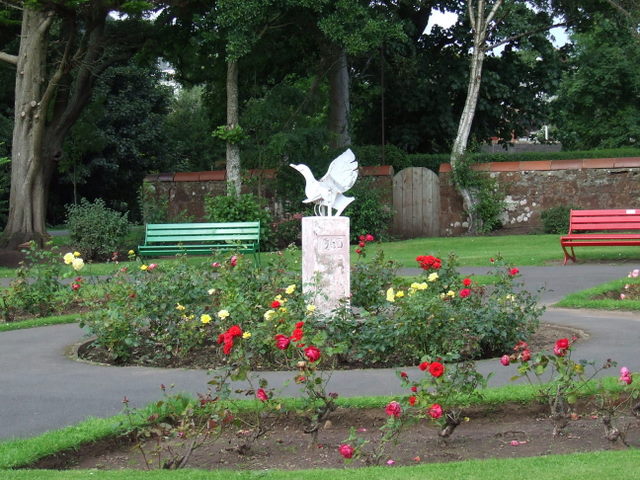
x=621, y=219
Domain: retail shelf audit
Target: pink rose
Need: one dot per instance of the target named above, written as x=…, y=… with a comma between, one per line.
x=75, y=287
x=346, y=450
x=626, y=379
x=624, y=371
x=435, y=411
x=514, y=271
x=216, y=265
x=393, y=409
x=234, y=261
x=262, y=395
x=312, y=353
x=561, y=347
x=505, y=360
x=369, y=238
x=282, y=341
x=465, y=292
x=525, y=356
x=152, y=266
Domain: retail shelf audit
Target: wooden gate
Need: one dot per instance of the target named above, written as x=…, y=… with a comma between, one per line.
x=416, y=203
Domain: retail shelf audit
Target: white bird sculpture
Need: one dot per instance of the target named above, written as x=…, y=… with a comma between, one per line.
x=327, y=193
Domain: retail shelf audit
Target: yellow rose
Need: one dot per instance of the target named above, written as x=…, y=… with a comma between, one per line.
x=131, y=252
x=204, y=318
x=400, y=294
x=451, y=293
x=268, y=315
x=223, y=314
x=246, y=335
x=423, y=286
x=391, y=297
x=77, y=263
x=290, y=289
x=311, y=308
x=68, y=258
x=433, y=277
x=180, y=307
x=143, y=267
x=211, y=291
x=77, y=254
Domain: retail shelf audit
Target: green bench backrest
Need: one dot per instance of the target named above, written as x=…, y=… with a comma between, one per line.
x=197, y=232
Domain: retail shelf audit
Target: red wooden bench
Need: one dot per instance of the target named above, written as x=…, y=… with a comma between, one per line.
x=605, y=227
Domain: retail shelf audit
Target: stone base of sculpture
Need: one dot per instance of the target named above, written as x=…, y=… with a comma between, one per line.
x=326, y=268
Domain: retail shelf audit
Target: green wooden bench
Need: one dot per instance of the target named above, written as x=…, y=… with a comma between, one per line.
x=162, y=239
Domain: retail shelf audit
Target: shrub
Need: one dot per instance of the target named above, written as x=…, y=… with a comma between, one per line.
x=95, y=230
x=242, y=208
x=368, y=213
x=154, y=209
x=287, y=231
x=556, y=219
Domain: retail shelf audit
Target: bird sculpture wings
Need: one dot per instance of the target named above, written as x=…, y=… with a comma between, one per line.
x=327, y=193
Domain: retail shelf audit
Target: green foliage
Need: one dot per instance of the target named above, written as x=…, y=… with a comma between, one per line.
x=369, y=281
x=37, y=288
x=287, y=231
x=556, y=219
x=368, y=214
x=95, y=230
x=245, y=207
x=234, y=135
x=489, y=201
x=154, y=209
x=598, y=102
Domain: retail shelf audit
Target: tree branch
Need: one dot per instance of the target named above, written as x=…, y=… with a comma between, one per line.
x=8, y=58
x=526, y=34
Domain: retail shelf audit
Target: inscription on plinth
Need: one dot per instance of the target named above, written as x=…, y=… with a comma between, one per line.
x=326, y=268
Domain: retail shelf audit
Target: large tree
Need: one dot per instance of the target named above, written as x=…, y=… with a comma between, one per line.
x=64, y=46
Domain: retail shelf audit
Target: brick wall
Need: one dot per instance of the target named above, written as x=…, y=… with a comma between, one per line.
x=186, y=191
x=532, y=187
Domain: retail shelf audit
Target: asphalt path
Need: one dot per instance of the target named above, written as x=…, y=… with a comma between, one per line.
x=42, y=387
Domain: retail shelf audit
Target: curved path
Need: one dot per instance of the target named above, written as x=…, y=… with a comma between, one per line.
x=42, y=389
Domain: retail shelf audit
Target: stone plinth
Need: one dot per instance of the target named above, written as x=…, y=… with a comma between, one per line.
x=326, y=269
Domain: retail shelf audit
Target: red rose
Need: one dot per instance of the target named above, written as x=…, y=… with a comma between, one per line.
x=346, y=450
x=514, y=271
x=525, y=356
x=299, y=324
x=361, y=238
x=369, y=238
x=412, y=400
x=393, y=409
x=423, y=366
x=296, y=335
x=466, y=282
x=414, y=389
x=282, y=342
x=312, y=353
x=465, y=292
x=403, y=374
x=275, y=304
x=436, y=369
x=220, y=338
x=75, y=287
x=361, y=244
x=228, y=345
x=234, y=331
x=560, y=349
x=358, y=251
x=234, y=261
x=521, y=346
x=262, y=395
x=435, y=411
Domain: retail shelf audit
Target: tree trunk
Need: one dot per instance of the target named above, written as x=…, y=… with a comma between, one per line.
x=234, y=181
x=339, y=101
x=29, y=173
x=479, y=24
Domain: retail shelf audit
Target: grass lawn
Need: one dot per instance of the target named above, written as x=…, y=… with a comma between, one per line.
x=471, y=251
x=585, y=298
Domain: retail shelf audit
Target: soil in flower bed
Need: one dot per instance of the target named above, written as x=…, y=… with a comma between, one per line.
x=492, y=432
x=208, y=356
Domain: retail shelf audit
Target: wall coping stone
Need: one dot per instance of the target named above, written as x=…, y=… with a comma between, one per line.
x=569, y=164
